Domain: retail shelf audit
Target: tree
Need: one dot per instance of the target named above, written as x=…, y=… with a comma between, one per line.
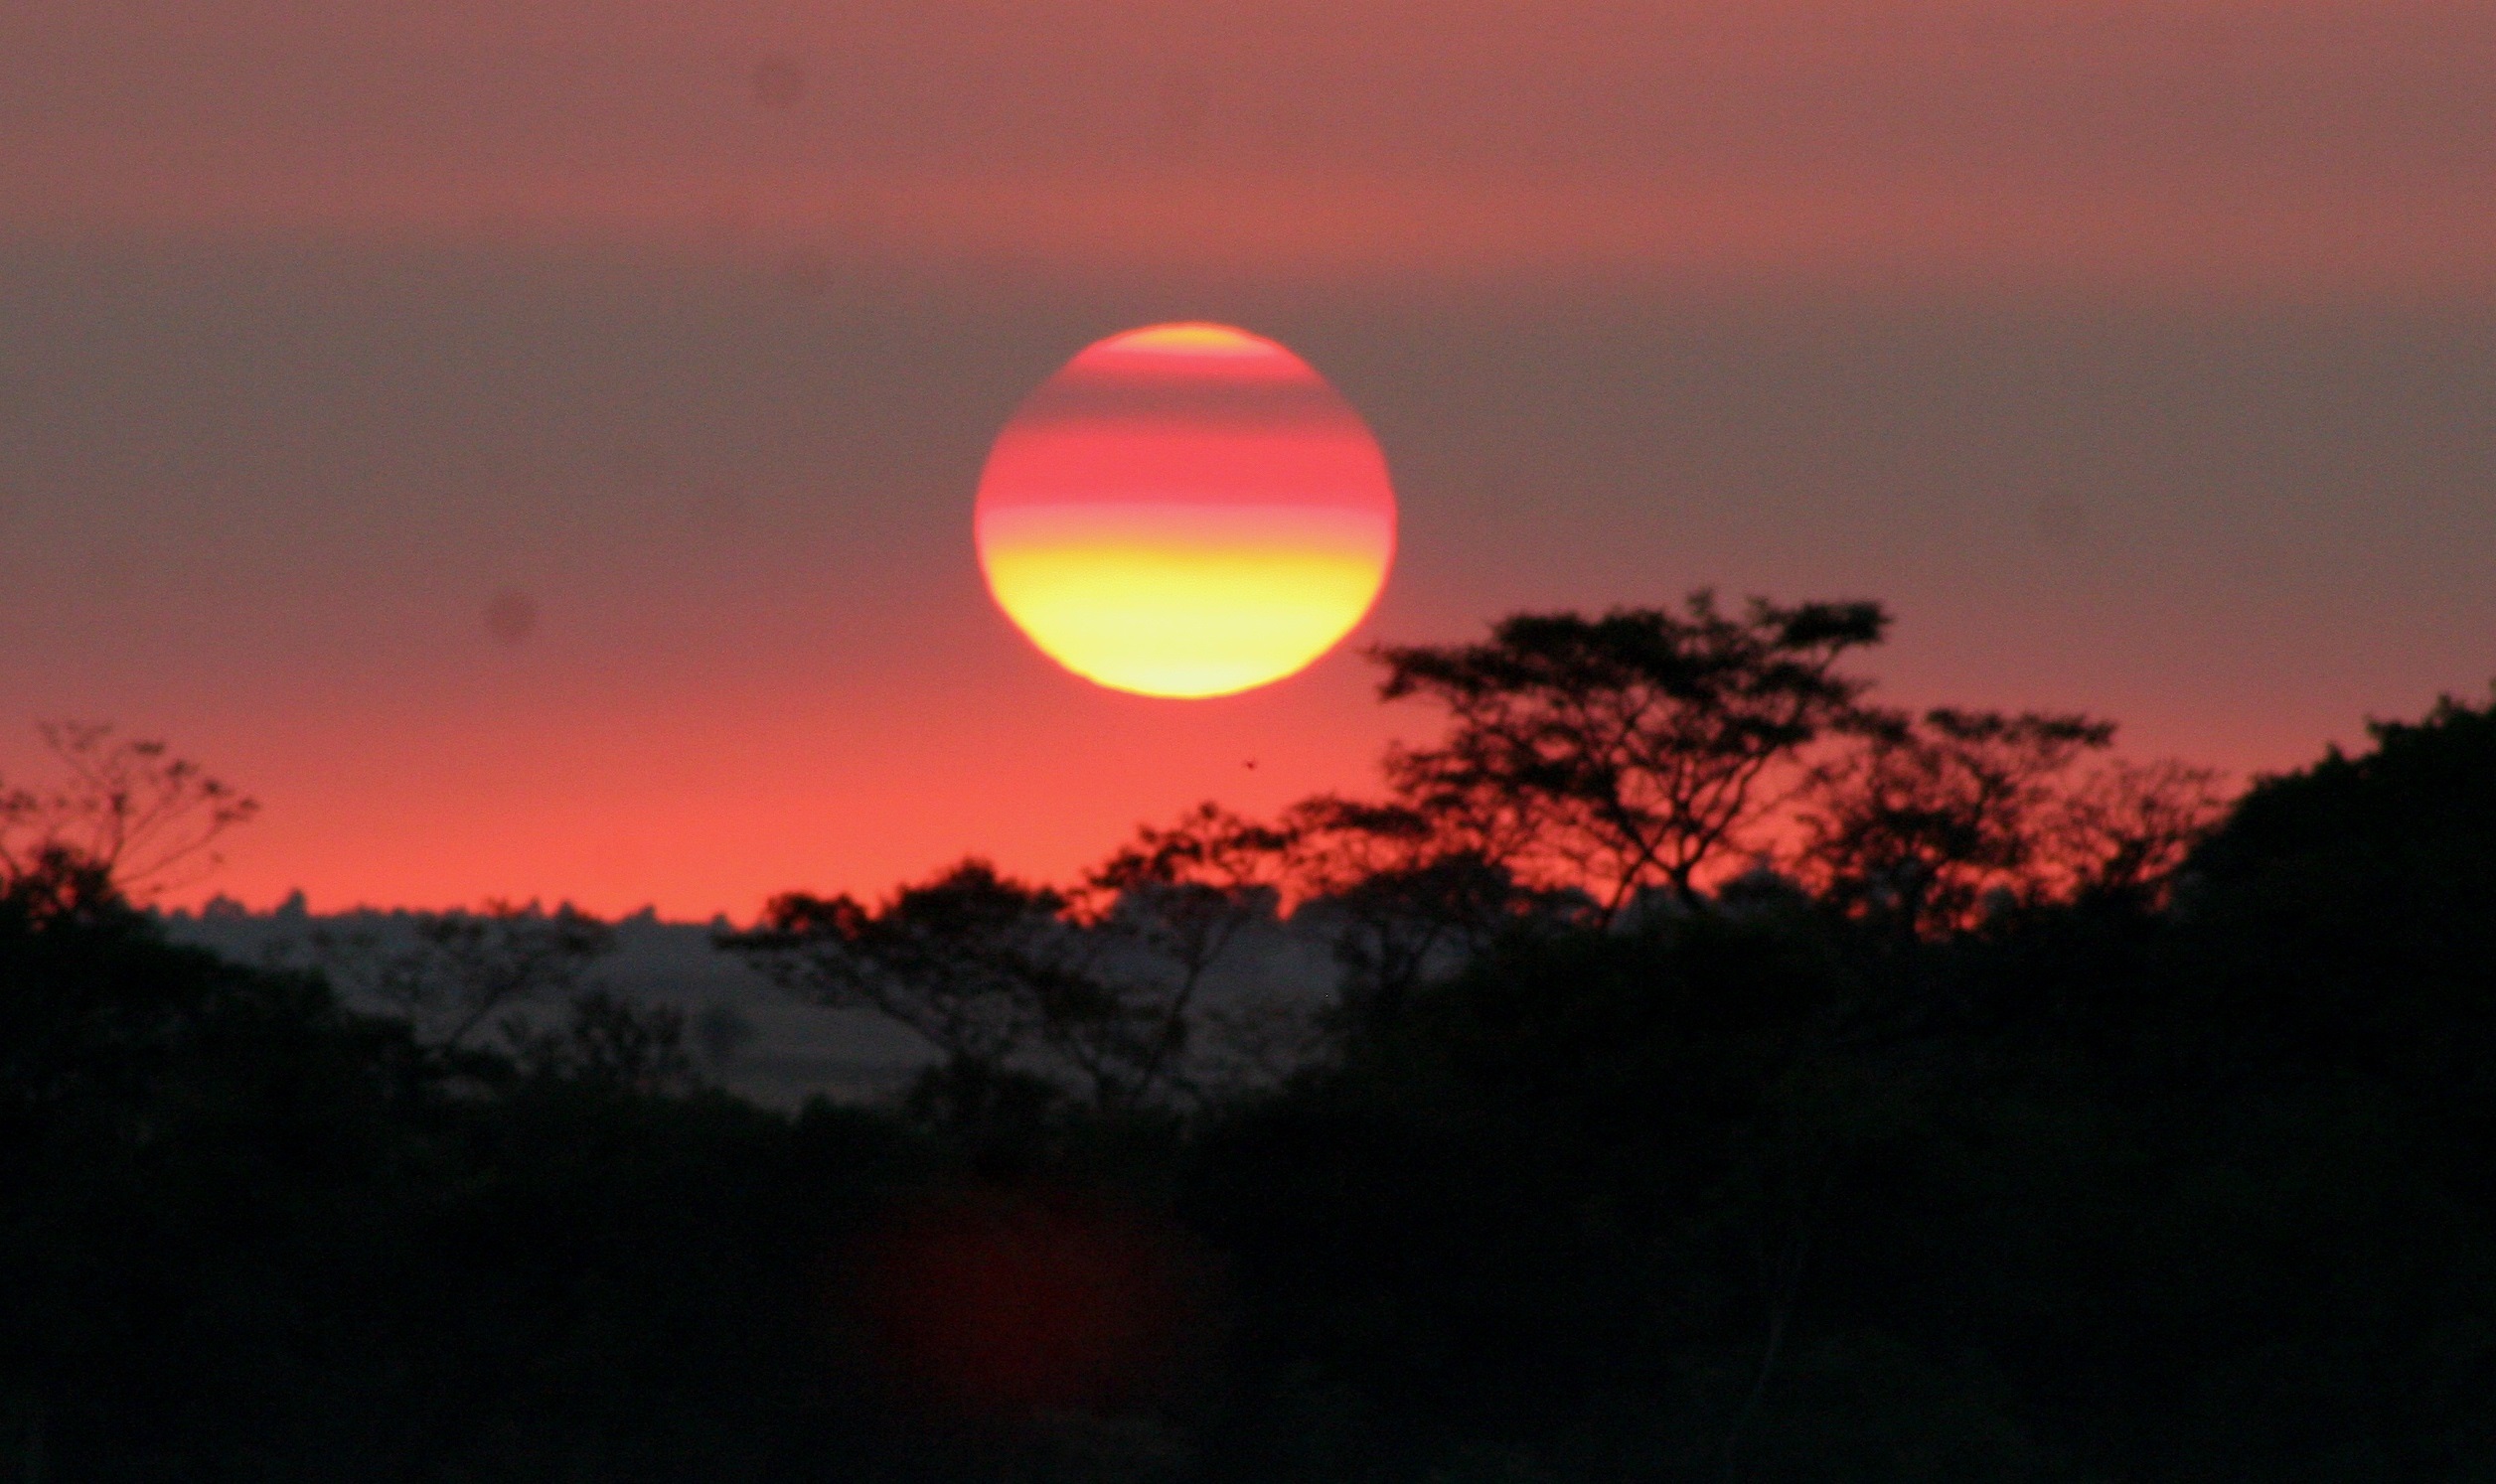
x=1931, y=822
x=1009, y=981
x=2355, y=900
x=964, y=960
x=55, y=886
x=129, y=817
x=1166, y=910
x=1404, y=891
x=1633, y=749
x=1932, y=816
x=1399, y=892
x=2129, y=828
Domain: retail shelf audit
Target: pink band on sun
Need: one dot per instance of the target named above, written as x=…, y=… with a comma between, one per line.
x=1186, y=510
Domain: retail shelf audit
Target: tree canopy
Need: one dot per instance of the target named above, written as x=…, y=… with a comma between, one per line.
x=1979, y=1105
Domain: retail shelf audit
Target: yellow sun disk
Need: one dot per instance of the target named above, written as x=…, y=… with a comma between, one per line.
x=1196, y=339
x=1178, y=613
x=1184, y=510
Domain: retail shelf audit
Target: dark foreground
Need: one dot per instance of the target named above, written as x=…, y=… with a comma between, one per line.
x=2194, y=1188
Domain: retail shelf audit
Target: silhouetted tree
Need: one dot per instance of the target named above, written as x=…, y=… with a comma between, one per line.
x=1163, y=911
x=969, y=961
x=1630, y=749
x=1932, y=816
x=140, y=818
x=2129, y=829
x=2351, y=906
x=2192, y=1189
x=1105, y=984
x=1406, y=895
x=1930, y=822
x=56, y=884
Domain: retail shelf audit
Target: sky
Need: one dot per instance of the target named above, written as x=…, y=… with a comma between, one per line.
x=531, y=446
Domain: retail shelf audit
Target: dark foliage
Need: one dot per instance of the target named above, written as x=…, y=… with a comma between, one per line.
x=1630, y=749
x=247, y=1236
x=1978, y=1147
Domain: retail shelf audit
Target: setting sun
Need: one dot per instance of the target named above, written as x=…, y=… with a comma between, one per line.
x=1186, y=511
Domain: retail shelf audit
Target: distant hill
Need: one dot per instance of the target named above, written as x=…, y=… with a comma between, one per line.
x=745, y=1033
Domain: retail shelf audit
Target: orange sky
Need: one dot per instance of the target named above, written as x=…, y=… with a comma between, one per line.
x=2137, y=354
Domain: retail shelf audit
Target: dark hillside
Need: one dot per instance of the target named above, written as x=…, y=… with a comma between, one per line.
x=2012, y=1172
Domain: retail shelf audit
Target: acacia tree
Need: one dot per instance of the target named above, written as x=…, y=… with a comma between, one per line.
x=1930, y=822
x=1631, y=750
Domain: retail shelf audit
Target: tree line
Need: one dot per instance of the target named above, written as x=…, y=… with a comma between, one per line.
x=1591, y=771
x=1723, y=1076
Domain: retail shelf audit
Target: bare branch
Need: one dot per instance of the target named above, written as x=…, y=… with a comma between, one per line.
x=146, y=819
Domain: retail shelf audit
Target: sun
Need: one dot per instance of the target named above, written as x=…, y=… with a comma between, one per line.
x=1186, y=510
